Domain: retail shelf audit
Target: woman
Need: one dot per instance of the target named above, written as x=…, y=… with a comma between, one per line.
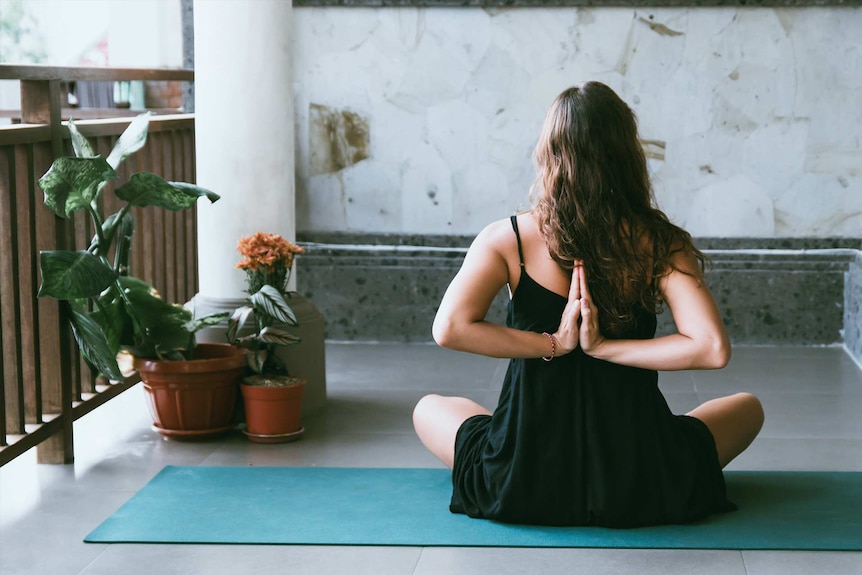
x=582, y=434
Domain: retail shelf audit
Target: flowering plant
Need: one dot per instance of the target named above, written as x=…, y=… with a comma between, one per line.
x=267, y=261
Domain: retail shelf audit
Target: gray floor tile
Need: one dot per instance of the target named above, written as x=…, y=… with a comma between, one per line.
x=354, y=450
x=802, y=563
x=809, y=415
x=800, y=454
x=50, y=539
x=253, y=560
x=681, y=402
x=759, y=370
x=812, y=424
x=676, y=381
x=772, y=353
x=374, y=411
x=505, y=561
x=399, y=366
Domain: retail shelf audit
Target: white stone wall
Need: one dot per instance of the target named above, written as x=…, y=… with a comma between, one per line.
x=424, y=120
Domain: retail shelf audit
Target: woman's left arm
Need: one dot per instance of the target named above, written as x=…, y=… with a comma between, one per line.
x=701, y=341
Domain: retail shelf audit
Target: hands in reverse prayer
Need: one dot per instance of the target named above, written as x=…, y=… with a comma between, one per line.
x=579, y=324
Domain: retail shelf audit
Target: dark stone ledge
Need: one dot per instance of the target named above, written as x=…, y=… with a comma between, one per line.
x=463, y=241
x=375, y=239
x=769, y=293
x=573, y=3
x=422, y=256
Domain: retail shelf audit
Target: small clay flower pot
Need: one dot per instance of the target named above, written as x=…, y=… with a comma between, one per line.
x=273, y=406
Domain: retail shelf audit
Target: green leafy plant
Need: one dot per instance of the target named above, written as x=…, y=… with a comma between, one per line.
x=268, y=260
x=111, y=311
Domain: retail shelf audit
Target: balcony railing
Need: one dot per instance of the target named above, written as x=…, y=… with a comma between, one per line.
x=45, y=384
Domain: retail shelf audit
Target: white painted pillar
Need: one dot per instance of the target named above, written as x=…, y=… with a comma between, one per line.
x=245, y=150
x=243, y=132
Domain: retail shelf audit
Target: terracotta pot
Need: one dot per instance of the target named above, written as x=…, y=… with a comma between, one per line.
x=272, y=413
x=194, y=399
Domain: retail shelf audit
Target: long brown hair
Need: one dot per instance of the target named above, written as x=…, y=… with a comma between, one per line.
x=593, y=201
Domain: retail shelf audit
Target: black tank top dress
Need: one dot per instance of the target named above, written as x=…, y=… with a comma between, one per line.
x=581, y=441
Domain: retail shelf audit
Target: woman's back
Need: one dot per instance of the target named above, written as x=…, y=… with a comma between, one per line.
x=577, y=440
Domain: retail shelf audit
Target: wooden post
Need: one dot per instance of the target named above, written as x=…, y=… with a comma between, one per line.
x=60, y=447
x=11, y=391
x=40, y=104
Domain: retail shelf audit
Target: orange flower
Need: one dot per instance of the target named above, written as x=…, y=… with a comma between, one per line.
x=267, y=260
x=266, y=250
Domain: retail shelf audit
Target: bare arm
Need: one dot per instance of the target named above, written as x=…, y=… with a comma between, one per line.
x=701, y=341
x=460, y=322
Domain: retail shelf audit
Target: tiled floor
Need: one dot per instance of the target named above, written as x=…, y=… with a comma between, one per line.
x=812, y=397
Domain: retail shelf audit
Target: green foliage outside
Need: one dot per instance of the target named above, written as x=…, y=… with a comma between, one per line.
x=20, y=39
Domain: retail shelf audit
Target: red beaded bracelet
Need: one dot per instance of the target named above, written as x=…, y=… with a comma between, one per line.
x=553, y=346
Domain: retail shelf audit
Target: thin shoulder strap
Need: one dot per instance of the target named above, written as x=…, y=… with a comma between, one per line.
x=518, y=236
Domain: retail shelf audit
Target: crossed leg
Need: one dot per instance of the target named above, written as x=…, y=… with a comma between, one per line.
x=734, y=421
x=437, y=419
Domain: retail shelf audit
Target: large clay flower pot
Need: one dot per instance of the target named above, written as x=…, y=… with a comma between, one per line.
x=273, y=411
x=194, y=399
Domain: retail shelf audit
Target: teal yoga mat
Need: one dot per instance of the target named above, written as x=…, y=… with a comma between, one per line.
x=360, y=506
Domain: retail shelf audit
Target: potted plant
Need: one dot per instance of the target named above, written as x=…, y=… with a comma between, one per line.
x=113, y=312
x=272, y=397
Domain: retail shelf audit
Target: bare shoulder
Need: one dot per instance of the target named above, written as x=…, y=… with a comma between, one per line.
x=683, y=273
x=496, y=236
x=684, y=261
x=497, y=230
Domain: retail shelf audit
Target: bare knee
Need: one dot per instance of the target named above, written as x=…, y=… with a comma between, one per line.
x=430, y=414
x=734, y=421
x=424, y=405
x=752, y=408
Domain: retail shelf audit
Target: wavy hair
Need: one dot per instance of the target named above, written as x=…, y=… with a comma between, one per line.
x=593, y=202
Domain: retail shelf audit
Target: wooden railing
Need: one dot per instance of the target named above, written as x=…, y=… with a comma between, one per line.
x=45, y=385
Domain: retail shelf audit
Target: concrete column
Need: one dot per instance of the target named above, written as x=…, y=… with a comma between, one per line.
x=244, y=131
x=245, y=149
